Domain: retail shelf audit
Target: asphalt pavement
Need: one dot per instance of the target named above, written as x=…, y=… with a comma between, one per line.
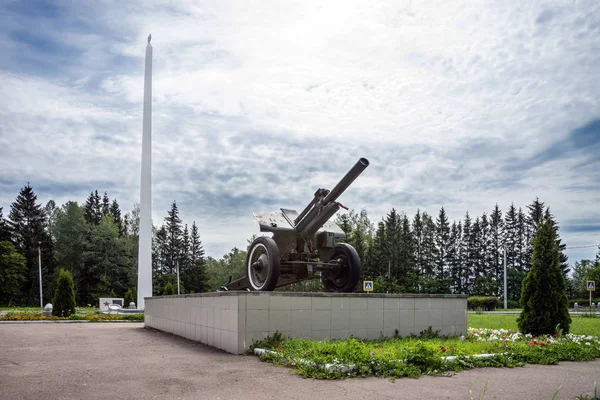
x=126, y=360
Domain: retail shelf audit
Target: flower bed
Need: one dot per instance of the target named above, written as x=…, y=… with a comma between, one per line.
x=415, y=356
x=91, y=317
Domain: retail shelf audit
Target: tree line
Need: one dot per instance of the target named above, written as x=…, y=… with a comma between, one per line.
x=98, y=244
x=427, y=254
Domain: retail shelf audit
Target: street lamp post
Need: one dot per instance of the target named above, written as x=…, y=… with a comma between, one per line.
x=40, y=270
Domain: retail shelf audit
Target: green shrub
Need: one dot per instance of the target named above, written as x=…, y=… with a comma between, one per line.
x=168, y=289
x=512, y=304
x=128, y=298
x=482, y=303
x=581, y=302
x=112, y=293
x=63, y=303
x=543, y=293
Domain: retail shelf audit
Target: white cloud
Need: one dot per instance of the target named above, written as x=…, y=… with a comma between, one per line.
x=440, y=96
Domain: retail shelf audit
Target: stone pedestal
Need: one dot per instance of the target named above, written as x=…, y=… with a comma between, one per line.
x=232, y=321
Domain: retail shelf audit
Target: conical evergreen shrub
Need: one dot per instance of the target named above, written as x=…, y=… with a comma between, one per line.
x=63, y=303
x=543, y=292
x=128, y=298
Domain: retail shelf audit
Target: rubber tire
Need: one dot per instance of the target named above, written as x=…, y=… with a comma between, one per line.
x=352, y=266
x=273, y=267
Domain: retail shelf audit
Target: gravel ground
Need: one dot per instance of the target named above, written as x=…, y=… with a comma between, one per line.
x=125, y=360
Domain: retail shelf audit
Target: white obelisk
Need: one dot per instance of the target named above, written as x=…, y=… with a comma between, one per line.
x=145, y=234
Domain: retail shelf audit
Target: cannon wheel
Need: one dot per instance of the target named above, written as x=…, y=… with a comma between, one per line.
x=262, y=264
x=343, y=278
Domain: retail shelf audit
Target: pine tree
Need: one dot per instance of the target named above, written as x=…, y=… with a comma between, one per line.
x=28, y=228
x=63, y=303
x=543, y=298
x=418, y=235
x=105, y=205
x=598, y=254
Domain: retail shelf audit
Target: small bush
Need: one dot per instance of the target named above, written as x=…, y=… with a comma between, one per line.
x=482, y=303
x=63, y=303
x=128, y=298
x=581, y=302
x=168, y=289
x=512, y=304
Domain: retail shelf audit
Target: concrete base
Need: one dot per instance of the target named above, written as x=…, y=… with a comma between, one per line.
x=232, y=321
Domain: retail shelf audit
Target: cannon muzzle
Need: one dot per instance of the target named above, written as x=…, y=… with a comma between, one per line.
x=318, y=211
x=347, y=180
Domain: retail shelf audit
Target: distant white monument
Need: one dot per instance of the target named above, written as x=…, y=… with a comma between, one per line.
x=145, y=239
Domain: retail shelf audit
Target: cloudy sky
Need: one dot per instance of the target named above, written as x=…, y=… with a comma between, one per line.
x=258, y=104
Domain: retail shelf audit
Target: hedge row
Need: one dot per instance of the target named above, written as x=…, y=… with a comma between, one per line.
x=489, y=303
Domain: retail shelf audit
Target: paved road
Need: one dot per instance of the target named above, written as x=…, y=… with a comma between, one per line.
x=125, y=360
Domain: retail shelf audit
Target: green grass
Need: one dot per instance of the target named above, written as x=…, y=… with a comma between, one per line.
x=33, y=309
x=423, y=355
x=579, y=326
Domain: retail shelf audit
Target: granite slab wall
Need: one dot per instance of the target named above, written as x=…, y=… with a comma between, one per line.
x=232, y=321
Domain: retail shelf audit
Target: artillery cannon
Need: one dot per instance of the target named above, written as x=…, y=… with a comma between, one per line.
x=303, y=246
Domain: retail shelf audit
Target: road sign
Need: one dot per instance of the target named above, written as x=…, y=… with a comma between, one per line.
x=591, y=286
x=368, y=286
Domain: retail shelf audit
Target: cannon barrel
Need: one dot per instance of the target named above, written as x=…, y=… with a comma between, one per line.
x=347, y=180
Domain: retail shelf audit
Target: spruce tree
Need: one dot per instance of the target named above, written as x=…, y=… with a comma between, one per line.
x=195, y=277
x=561, y=246
x=598, y=254
x=393, y=245
x=28, y=229
x=379, y=257
x=466, y=254
x=496, y=237
x=4, y=230
x=407, y=278
x=115, y=212
x=442, y=243
x=174, y=232
x=92, y=209
x=105, y=205
x=63, y=303
x=454, y=255
x=543, y=296
x=13, y=273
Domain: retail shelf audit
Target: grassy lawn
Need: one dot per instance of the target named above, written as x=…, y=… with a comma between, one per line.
x=492, y=341
x=579, y=326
